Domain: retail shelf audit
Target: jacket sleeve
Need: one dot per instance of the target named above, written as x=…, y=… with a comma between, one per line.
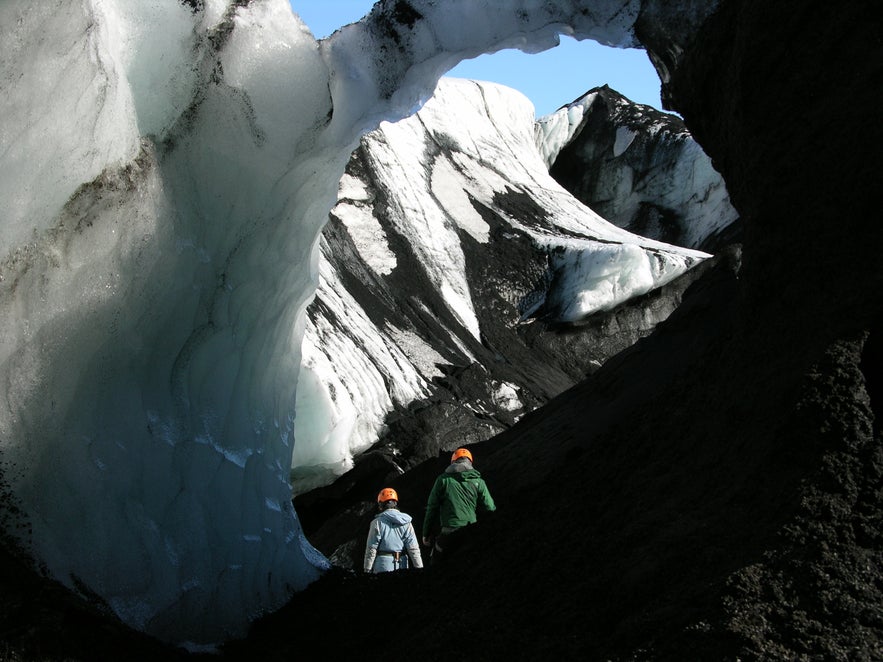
x=430, y=520
x=413, y=547
x=485, y=498
x=371, y=546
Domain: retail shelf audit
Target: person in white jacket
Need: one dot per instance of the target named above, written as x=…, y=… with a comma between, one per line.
x=392, y=541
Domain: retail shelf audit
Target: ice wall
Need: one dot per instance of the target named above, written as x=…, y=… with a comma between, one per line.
x=165, y=169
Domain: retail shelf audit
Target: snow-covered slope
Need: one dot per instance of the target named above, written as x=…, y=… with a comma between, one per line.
x=639, y=168
x=425, y=201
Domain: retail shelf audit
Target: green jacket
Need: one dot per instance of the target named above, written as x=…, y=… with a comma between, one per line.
x=455, y=497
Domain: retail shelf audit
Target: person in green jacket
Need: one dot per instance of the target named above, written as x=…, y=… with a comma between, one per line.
x=456, y=496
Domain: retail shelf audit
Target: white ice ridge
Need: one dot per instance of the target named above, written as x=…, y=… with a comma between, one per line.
x=685, y=179
x=165, y=174
x=470, y=144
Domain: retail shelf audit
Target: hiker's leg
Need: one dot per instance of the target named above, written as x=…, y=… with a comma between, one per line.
x=438, y=549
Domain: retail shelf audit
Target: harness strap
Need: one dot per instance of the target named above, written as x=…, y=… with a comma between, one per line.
x=397, y=555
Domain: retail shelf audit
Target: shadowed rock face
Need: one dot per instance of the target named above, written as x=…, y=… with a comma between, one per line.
x=714, y=491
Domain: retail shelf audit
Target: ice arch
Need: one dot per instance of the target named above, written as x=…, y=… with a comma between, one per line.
x=166, y=168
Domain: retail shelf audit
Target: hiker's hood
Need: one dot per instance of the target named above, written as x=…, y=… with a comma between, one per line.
x=394, y=517
x=462, y=469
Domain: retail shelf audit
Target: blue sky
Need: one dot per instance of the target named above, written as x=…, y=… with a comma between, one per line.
x=550, y=79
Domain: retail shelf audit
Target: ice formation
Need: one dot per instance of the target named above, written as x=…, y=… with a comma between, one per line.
x=471, y=145
x=674, y=171
x=166, y=169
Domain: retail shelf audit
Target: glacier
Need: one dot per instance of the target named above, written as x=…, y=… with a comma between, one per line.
x=473, y=147
x=166, y=170
x=639, y=168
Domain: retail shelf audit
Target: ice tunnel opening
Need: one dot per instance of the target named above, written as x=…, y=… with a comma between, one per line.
x=550, y=79
x=555, y=77
x=171, y=496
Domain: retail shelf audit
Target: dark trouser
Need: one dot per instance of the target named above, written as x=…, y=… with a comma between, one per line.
x=445, y=544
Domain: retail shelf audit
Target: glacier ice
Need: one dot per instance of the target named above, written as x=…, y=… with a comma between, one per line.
x=469, y=147
x=166, y=170
x=675, y=173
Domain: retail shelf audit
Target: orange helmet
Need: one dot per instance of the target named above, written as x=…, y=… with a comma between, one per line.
x=461, y=452
x=387, y=494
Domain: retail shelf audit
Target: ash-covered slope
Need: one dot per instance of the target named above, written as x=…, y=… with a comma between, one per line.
x=461, y=286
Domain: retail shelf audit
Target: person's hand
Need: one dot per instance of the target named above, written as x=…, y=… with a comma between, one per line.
x=427, y=541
